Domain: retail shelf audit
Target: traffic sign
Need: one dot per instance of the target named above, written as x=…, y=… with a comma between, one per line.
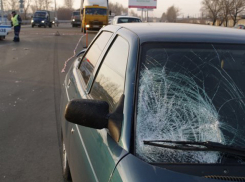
x=148, y=4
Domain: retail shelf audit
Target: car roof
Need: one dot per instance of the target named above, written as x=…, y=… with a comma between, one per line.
x=180, y=32
x=41, y=11
x=126, y=17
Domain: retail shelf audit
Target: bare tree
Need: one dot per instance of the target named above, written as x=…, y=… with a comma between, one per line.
x=212, y=9
x=27, y=4
x=117, y=9
x=132, y=13
x=13, y=4
x=47, y=4
x=64, y=13
x=68, y=3
x=163, y=18
x=237, y=7
x=33, y=8
x=172, y=13
x=39, y=4
x=5, y=5
x=225, y=8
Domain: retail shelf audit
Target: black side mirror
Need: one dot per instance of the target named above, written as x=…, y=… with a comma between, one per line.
x=89, y=113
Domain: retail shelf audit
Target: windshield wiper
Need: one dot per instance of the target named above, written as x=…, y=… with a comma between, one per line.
x=197, y=146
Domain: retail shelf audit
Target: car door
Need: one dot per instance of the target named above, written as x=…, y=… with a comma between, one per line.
x=76, y=82
x=94, y=153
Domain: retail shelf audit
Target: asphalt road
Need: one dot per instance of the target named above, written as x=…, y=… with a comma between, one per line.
x=30, y=87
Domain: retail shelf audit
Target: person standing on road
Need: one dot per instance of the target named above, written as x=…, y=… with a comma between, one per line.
x=16, y=23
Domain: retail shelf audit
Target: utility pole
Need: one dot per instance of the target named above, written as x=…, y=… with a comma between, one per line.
x=55, y=8
x=146, y=15
x=21, y=6
x=142, y=14
x=2, y=14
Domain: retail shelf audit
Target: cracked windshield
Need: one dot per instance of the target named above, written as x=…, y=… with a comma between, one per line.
x=122, y=90
x=190, y=92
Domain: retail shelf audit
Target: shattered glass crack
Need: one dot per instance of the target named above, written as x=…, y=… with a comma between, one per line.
x=189, y=95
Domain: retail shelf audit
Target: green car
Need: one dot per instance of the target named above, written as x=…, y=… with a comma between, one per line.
x=156, y=102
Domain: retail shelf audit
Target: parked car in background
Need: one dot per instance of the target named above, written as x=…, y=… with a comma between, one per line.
x=125, y=19
x=156, y=102
x=76, y=19
x=5, y=27
x=240, y=26
x=4, y=21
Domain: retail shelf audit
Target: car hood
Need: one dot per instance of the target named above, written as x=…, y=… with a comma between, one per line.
x=132, y=168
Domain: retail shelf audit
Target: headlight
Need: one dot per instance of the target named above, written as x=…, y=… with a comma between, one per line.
x=53, y=21
x=87, y=26
x=43, y=21
x=32, y=21
x=73, y=19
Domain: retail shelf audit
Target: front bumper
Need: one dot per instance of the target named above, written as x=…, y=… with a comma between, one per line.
x=95, y=27
x=75, y=23
x=4, y=30
x=38, y=24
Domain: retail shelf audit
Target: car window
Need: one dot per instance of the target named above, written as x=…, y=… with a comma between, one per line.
x=190, y=92
x=96, y=11
x=76, y=13
x=92, y=56
x=40, y=14
x=128, y=20
x=109, y=83
x=4, y=21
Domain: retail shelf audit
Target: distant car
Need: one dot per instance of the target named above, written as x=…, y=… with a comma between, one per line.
x=156, y=102
x=240, y=26
x=125, y=19
x=5, y=27
x=43, y=18
x=75, y=19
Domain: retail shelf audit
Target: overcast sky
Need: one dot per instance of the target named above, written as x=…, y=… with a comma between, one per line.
x=187, y=7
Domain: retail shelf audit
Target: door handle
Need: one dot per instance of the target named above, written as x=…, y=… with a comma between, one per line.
x=72, y=130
